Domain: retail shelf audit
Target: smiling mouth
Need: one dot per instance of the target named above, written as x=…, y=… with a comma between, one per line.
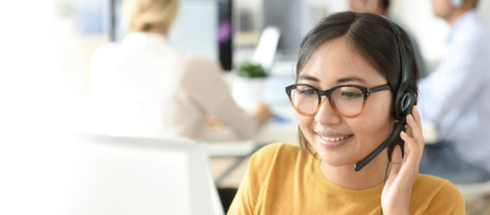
x=334, y=139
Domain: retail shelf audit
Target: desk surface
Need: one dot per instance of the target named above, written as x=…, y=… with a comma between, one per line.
x=283, y=128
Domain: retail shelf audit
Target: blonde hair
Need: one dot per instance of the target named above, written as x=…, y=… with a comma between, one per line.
x=140, y=15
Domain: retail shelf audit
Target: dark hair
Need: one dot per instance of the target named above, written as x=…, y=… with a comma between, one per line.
x=385, y=4
x=372, y=38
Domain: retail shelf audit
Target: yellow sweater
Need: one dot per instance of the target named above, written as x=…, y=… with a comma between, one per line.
x=280, y=180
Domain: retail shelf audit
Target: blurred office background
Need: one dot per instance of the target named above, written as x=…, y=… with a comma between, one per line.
x=45, y=50
x=60, y=35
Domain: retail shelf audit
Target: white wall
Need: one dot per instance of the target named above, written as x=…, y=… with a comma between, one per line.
x=484, y=8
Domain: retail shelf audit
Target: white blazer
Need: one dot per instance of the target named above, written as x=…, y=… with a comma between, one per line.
x=144, y=86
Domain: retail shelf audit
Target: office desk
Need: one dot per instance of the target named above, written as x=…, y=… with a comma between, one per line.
x=230, y=155
x=282, y=128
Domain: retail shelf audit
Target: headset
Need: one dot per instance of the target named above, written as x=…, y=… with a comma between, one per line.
x=456, y=3
x=404, y=100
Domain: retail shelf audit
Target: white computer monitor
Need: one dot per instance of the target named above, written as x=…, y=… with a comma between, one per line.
x=124, y=175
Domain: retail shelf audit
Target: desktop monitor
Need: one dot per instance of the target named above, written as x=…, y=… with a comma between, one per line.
x=292, y=18
x=129, y=175
x=201, y=26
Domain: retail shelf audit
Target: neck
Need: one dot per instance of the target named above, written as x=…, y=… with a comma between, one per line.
x=160, y=30
x=382, y=12
x=451, y=19
x=345, y=176
x=454, y=17
x=376, y=7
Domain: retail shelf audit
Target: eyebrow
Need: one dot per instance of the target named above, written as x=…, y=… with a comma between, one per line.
x=340, y=81
x=309, y=78
x=352, y=78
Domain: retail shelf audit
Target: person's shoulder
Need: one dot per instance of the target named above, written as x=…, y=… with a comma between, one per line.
x=441, y=194
x=275, y=153
x=471, y=31
x=106, y=50
x=198, y=67
x=435, y=184
x=429, y=179
x=198, y=61
x=275, y=148
x=105, y=55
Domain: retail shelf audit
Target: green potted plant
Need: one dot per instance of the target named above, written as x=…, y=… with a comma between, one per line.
x=247, y=88
x=252, y=70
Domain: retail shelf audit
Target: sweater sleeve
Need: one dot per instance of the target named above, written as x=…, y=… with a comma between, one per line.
x=448, y=200
x=203, y=82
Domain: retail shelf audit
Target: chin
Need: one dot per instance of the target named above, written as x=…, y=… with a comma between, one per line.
x=334, y=159
x=337, y=162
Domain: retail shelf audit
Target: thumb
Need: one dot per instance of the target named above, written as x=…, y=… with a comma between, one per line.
x=396, y=160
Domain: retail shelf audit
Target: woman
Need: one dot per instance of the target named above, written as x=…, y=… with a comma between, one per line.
x=359, y=50
x=144, y=86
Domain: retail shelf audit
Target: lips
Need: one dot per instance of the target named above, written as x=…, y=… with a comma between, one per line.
x=332, y=139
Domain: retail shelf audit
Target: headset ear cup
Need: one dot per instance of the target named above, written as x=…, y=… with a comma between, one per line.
x=396, y=110
x=407, y=102
x=398, y=106
x=403, y=104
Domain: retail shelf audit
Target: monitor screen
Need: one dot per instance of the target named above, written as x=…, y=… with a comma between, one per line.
x=225, y=32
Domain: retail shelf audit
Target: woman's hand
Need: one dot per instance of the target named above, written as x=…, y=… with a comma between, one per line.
x=398, y=187
x=262, y=113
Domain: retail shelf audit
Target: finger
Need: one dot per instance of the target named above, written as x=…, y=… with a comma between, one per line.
x=409, y=142
x=415, y=130
x=408, y=145
x=416, y=115
x=413, y=155
x=411, y=161
x=396, y=161
x=408, y=128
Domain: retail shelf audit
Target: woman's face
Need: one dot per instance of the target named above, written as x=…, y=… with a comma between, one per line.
x=363, y=6
x=337, y=63
x=442, y=8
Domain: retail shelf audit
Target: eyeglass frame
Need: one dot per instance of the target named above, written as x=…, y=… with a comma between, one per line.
x=328, y=93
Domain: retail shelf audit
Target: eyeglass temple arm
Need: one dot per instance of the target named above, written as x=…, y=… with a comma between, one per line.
x=380, y=88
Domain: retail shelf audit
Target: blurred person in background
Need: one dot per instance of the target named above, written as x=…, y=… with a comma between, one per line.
x=145, y=86
x=381, y=7
x=456, y=97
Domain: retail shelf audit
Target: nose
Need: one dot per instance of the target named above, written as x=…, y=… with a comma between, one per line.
x=327, y=115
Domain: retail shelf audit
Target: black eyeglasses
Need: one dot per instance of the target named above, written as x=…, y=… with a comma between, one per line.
x=346, y=100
